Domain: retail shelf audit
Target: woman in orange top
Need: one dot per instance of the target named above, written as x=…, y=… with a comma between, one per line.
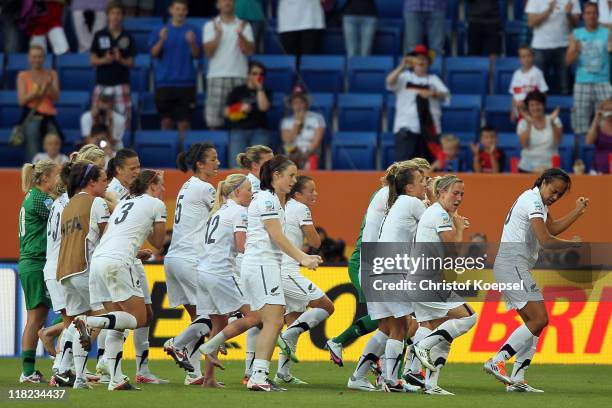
x=38, y=89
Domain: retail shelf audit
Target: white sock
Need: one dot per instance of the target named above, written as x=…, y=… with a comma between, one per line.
x=114, y=354
x=213, y=344
x=307, y=320
x=199, y=328
x=194, y=355
x=80, y=356
x=448, y=331
x=284, y=364
x=514, y=343
x=409, y=356
x=67, y=358
x=141, y=346
x=393, y=353
x=58, y=353
x=101, y=344
x=112, y=320
x=523, y=359
x=371, y=353
x=421, y=333
x=251, y=343
x=439, y=354
x=261, y=369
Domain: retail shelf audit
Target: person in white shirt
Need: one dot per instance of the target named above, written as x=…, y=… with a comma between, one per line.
x=300, y=292
x=552, y=21
x=251, y=160
x=228, y=41
x=524, y=80
x=102, y=113
x=528, y=227
x=194, y=202
x=52, y=145
x=301, y=24
x=415, y=128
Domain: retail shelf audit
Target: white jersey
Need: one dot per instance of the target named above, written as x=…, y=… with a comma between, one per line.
x=260, y=250
x=375, y=215
x=434, y=220
x=116, y=187
x=129, y=225
x=54, y=236
x=255, y=183
x=220, y=247
x=193, y=204
x=99, y=214
x=401, y=222
x=518, y=230
x=296, y=215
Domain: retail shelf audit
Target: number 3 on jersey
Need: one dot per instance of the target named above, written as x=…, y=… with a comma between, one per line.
x=125, y=209
x=211, y=227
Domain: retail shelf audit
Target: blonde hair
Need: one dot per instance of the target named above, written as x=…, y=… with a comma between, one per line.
x=443, y=183
x=32, y=174
x=252, y=155
x=37, y=47
x=392, y=171
x=89, y=152
x=50, y=135
x=421, y=163
x=449, y=140
x=225, y=188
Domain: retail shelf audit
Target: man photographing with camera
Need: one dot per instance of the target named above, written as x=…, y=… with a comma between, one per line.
x=102, y=113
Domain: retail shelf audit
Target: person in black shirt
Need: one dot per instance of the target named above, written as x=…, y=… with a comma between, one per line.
x=245, y=111
x=112, y=53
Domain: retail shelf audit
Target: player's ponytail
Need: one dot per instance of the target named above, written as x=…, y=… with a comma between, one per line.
x=32, y=174
x=89, y=152
x=252, y=155
x=189, y=159
x=421, y=163
x=62, y=183
x=553, y=174
x=299, y=185
x=444, y=183
x=141, y=184
x=404, y=176
x=225, y=188
x=277, y=164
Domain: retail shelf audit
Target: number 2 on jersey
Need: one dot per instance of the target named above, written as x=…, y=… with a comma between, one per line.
x=125, y=209
x=212, y=223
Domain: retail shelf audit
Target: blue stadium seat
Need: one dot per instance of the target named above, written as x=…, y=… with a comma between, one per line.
x=437, y=67
x=76, y=72
x=387, y=41
x=272, y=44
x=390, y=111
x=354, y=151
x=510, y=145
x=502, y=74
x=140, y=73
x=197, y=117
x=323, y=73
x=218, y=138
x=390, y=8
x=147, y=114
x=360, y=112
x=323, y=103
x=71, y=138
x=333, y=42
x=277, y=111
x=587, y=154
x=9, y=156
x=497, y=112
x=452, y=10
x=512, y=34
x=1, y=68
x=141, y=28
x=19, y=62
x=367, y=74
x=10, y=111
x=519, y=9
x=462, y=114
x=387, y=149
x=198, y=22
x=565, y=103
x=157, y=148
x=280, y=71
x=467, y=137
x=467, y=75
x=567, y=151
x=70, y=107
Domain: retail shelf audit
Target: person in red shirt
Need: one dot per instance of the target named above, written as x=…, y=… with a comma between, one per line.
x=486, y=157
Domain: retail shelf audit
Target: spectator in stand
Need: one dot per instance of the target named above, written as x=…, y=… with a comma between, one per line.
x=484, y=28
x=525, y=33
x=551, y=22
x=449, y=159
x=605, y=17
x=524, y=80
x=253, y=11
x=424, y=18
x=539, y=134
x=175, y=46
x=419, y=95
x=52, y=145
x=227, y=43
x=302, y=132
x=102, y=113
x=245, y=111
x=46, y=23
x=301, y=24
x=359, y=27
x=600, y=135
x=112, y=53
x=590, y=47
x=88, y=17
x=37, y=90
x=486, y=157
x=139, y=7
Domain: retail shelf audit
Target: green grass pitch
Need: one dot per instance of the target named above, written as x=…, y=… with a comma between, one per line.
x=564, y=385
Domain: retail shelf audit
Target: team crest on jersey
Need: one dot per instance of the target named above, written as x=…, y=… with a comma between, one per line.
x=48, y=203
x=269, y=205
x=445, y=217
x=538, y=206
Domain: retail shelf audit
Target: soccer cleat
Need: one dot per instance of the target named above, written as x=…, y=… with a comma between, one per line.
x=335, y=352
x=424, y=356
x=65, y=379
x=288, y=379
x=193, y=379
x=80, y=323
x=149, y=378
x=400, y=386
x=415, y=379
x=286, y=348
x=92, y=378
x=497, y=370
x=267, y=386
x=521, y=387
x=437, y=391
x=122, y=386
x=223, y=349
x=360, y=384
x=245, y=379
x=81, y=384
x=179, y=356
x=35, y=378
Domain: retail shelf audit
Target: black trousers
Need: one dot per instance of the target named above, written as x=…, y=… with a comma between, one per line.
x=409, y=145
x=302, y=42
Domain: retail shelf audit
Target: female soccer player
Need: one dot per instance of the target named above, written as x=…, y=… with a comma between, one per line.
x=252, y=159
x=528, y=226
x=440, y=223
x=83, y=221
x=299, y=291
x=112, y=279
x=37, y=181
x=219, y=293
x=193, y=204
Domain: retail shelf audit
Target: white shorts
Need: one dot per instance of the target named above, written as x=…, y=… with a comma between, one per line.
x=299, y=291
x=425, y=311
x=56, y=293
x=517, y=299
x=139, y=274
x=76, y=292
x=262, y=285
x=218, y=294
x=113, y=280
x=380, y=310
x=181, y=281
